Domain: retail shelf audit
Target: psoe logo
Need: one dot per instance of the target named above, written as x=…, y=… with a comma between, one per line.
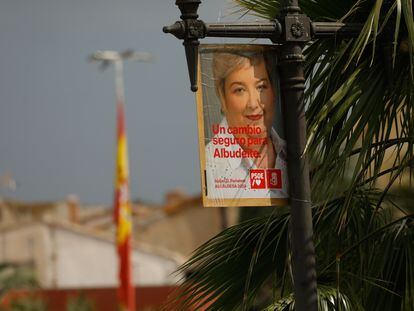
x=257, y=179
x=274, y=178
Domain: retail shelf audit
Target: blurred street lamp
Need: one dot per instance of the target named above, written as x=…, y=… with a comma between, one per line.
x=117, y=58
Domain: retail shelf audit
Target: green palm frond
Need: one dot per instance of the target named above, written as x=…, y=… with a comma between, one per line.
x=328, y=300
x=231, y=268
x=360, y=99
x=362, y=264
x=264, y=9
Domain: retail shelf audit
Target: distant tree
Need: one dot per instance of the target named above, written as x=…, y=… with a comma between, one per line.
x=19, y=277
x=28, y=304
x=13, y=276
x=79, y=303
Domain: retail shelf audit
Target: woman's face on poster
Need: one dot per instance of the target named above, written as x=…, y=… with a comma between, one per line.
x=248, y=97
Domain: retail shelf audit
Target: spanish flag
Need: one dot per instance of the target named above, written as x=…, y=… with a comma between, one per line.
x=122, y=216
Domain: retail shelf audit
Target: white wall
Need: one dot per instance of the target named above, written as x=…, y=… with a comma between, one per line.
x=65, y=258
x=84, y=261
x=28, y=244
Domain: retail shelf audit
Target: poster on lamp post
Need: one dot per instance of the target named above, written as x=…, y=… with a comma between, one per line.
x=243, y=156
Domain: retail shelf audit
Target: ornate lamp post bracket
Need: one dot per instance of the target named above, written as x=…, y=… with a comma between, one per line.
x=291, y=26
x=190, y=29
x=297, y=28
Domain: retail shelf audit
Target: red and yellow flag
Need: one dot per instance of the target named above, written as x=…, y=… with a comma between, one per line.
x=122, y=216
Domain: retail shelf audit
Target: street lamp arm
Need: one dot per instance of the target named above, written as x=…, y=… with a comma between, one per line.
x=177, y=30
x=266, y=29
x=335, y=29
x=293, y=28
x=290, y=27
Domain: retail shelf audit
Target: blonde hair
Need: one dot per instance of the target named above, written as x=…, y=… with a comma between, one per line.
x=224, y=63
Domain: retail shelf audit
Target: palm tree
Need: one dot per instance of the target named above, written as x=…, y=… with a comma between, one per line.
x=360, y=104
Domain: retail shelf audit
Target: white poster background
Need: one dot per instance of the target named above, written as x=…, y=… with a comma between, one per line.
x=240, y=124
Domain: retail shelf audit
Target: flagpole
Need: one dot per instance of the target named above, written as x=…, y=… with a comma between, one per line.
x=122, y=204
x=119, y=81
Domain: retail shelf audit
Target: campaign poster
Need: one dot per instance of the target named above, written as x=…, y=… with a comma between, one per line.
x=242, y=146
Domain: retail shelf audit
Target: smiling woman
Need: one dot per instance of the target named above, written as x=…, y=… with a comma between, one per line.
x=242, y=144
x=247, y=100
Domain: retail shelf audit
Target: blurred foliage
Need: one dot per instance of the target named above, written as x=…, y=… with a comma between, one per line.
x=14, y=276
x=27, y=304
x=80, y=303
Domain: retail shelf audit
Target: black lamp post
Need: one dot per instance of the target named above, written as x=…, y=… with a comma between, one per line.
x=291, y=30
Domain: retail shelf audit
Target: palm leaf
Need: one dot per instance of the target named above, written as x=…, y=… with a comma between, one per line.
x=255, y=246
x=350, y=259
x=328, y=300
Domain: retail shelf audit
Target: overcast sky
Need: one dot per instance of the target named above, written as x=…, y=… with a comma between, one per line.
x=57, y=111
